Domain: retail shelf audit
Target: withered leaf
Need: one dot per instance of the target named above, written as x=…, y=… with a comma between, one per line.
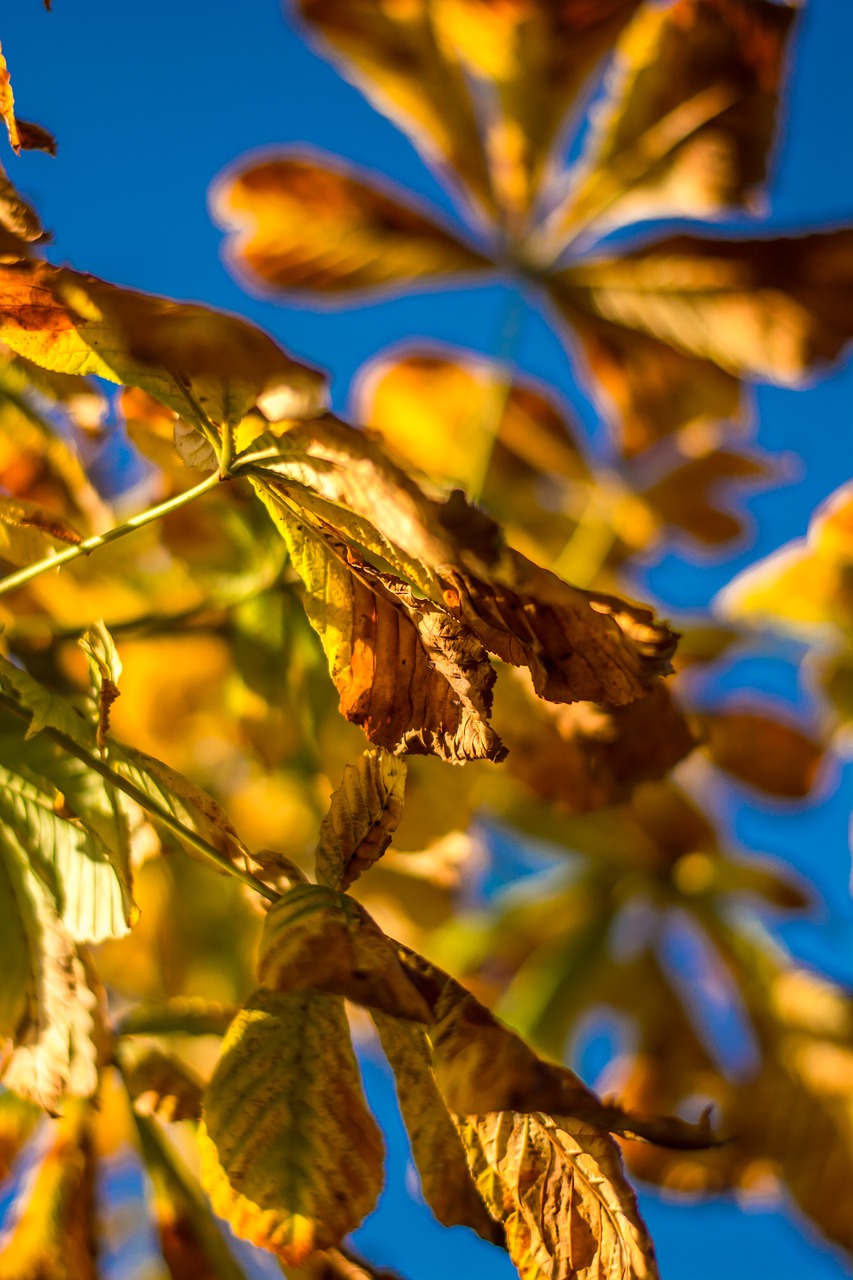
x=436, y=1147
x=315, y=938
x=298, y=223
x=762, y=750
x=363, y=815
x=691, y=112
x=691, y=496
x=302, y=1166
x=159, y=1084
x=559, y=1189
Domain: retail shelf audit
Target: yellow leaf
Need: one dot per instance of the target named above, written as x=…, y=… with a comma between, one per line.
x=559, y=1190
x=300, y=1166
x=205, y=365
x=54, y=1237
x=317, y=939
x=362, y=818
x=438, y=1152
x=690, y=115
x=299, y=223
x=389, y=50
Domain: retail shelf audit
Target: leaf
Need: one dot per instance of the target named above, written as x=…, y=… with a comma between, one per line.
x=17, y=217
x=772, y=310
x=21, y=132
x=104, y=672
x=159, y=1084
x=362, y=818
x=302, y=1166
x=689, y=118
x=393, y=56
x=762, y=750
x=205, y=365
x=179, y=1015
x=436, y=1146
x=55, y=1234
x=18, y=1121
x=49, y=710
x=310, y=225
x=559, y=1189
x=691, y=497
x=29, y=532
x=192, y=1244
x=533, y=58
x=320, y=940
x=408, y=674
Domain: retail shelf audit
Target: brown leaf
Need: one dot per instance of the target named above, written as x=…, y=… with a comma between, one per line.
x=316, y=939
x=436, y=1147
x=691, y=496
x=17, y=217
x=762, y=750
x=298, y=223
x=363, y=815
x=160, y=1084
x=392, y=55
x=691, y=112
x=559, y=1189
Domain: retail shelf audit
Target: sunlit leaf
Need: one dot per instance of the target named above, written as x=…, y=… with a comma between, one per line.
x=22, y=133
x=317, y=939
x=559, y=1190
x=302, y=1166
x=55, y=1235
x=363, y=815
x=159, y=1084
x=690, y=114
x=299, y=223
x=205, y=365
x=391, y=53
x=436, y=1147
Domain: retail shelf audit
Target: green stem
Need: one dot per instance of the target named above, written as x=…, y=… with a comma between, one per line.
x=35, y=570
x=186, y=834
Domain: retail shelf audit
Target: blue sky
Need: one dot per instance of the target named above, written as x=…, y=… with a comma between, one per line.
x=150, y=102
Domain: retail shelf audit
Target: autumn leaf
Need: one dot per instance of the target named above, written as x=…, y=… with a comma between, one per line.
x=18, y=1121
x=691, y=497
x=296, y=222
x=320, y=940
x=159, y=1084
x=179, y=1015
x=689, y=117
x=363, y=814
x=559, y=1190
x=209, y=367
x=55, y=1233
x=436, y=1146
x=762, y=750
x=302, y=1166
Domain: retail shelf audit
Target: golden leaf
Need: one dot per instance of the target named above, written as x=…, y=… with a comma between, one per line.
x=559, y=1189
x=686, y=497
x=363, y=815
x=436, y=1147
x=299, y=223
x=302, y=1166
x=317, y=939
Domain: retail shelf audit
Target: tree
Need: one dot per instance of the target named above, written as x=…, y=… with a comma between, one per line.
x=459, y=569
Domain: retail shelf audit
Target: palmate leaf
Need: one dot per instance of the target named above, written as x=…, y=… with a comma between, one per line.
x=205, y=365
x=55, y=1237
x=689, y=118
x=306, y=223
x=302, y=1165
x=363, y=815
x=559, y=1190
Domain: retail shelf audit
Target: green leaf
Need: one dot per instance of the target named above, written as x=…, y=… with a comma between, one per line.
x=301, y=1166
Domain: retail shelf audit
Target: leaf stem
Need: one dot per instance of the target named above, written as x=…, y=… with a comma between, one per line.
x=35, y=570
x=115, y=779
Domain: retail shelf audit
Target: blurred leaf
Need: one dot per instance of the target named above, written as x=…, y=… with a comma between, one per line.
x=362, y=818
x=767, y=309
x=690, y=114
x=392, y=55
x=55, y=1236
x=18, y=1121
x=560, y=1191
x=205, y=365
x=299, y=223
x=21, y=132
x=159, y=1084
x=762, y=750
x=302, y=1166
x=436, y=1147
x=180, y=1015
x=692, y=497
x=29, y=532
x=192, y=1244
x=320, y=940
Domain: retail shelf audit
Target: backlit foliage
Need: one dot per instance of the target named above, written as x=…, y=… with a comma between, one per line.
x=250, y=736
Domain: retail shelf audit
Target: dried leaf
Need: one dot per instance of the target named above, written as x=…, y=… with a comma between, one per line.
x=302, y=1166
x=55, y=1235
x=298, y=223
x=687, y=497
x=159, y=1084
x=317, y=939
x=559, y=1189
x=690, y=114
x=362, y=818
x=762, y=750
x=436, y=1146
